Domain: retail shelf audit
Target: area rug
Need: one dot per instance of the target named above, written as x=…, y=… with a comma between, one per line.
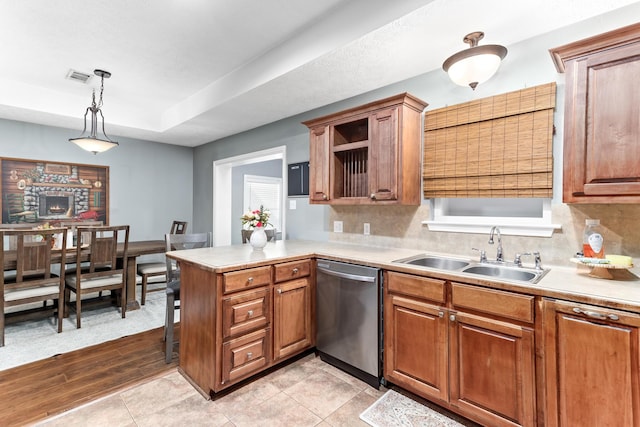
x=33, y=340
x=393, y=410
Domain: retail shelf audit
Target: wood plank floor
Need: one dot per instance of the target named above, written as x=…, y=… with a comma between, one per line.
x=38, y=390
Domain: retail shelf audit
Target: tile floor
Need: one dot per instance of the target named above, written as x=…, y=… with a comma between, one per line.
x=307, y=392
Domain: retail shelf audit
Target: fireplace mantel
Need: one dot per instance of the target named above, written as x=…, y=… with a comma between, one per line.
x=56, y=184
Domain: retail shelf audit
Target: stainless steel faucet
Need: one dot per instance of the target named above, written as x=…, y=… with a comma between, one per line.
x=496, y=230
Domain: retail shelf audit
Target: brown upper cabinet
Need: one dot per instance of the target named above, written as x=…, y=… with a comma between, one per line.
x=602, y=117
x=368, y=154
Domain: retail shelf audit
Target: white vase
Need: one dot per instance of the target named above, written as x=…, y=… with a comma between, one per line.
x=258, y=238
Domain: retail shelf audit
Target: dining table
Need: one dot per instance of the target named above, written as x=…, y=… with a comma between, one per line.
x=134, y=250
x=138, y=248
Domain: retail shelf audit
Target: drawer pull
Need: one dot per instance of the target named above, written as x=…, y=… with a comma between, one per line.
x=250, y=280
x=250, y=313
x=249, y=355
x=595, y=314
x=295, y=270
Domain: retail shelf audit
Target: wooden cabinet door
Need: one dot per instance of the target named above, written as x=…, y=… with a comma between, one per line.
x=492, y=376
x=415, y=346
x=319, y=164
x=291, y=318
x=602, y=106
x=383, y=155
x=592, y=359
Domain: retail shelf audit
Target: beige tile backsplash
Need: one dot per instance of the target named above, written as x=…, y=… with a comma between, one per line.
x=400, y=226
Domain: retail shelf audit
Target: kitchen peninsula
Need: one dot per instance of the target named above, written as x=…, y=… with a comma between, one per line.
x=244, y=311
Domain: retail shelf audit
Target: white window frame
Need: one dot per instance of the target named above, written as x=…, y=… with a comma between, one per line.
x=535, y=226
x=268, y=180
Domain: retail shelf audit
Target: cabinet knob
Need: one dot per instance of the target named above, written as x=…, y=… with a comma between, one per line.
x=452, y=317
x=250, y=313
x=249, y=355
x=373, y=196
x=324, y=197
x=250, y=280
x=441, y=314
x=295, y=270
x=279, y=291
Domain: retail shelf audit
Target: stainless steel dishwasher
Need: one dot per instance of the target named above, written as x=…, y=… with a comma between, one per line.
x=349, y=320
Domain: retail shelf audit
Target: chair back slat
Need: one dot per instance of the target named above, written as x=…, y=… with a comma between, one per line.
x=37, y=258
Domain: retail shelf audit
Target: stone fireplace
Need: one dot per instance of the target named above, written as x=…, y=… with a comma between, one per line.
x=57, y=201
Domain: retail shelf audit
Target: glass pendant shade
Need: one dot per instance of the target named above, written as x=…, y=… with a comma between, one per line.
x=475, y=65
x=94, y=145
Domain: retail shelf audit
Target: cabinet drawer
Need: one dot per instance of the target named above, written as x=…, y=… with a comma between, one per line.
x=245, y=355
x=245, y=312
x=246, y=279
x=500, y=303
x=291, y=270
x=416, y=286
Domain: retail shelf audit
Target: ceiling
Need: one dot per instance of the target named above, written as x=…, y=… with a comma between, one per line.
x=188, y=72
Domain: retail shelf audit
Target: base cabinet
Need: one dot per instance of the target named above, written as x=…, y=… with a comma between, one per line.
x=291, y=318
x=238, y=323
x=416, y=361
x=492, y=370
x=472, y=352
x=592, y=363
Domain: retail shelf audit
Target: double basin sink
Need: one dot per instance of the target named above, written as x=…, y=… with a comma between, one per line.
x=496, y=270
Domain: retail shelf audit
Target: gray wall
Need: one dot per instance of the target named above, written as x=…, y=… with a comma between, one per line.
x=306, y=221
x=150, y=183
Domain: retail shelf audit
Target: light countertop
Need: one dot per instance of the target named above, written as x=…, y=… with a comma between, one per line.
x=570, y=282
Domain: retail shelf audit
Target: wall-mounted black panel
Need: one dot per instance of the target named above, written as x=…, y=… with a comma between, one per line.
x=298, y=179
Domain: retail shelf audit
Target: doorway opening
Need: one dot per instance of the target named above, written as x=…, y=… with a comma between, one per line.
x=222, y=190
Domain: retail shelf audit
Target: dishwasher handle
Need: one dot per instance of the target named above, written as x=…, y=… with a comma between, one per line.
x=355, y=277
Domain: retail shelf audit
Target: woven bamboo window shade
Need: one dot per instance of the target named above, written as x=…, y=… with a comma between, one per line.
x=499, y=146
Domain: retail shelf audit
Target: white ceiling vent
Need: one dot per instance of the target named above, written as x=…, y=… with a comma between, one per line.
x=78, y=76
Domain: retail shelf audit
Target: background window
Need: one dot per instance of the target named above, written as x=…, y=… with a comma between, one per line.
x=265, y=191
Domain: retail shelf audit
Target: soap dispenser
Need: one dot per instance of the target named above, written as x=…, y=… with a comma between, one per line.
x=592, y=241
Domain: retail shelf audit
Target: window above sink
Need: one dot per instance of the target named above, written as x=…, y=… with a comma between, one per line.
x=520, y=217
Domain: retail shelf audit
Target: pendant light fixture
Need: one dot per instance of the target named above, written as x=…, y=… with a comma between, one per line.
x=92, y=142
x=475, y=65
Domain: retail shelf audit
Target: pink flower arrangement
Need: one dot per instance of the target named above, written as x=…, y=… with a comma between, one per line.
x=256, y=218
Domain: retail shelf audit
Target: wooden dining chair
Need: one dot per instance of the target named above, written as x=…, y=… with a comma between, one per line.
x=103, y=269
x=28, y=278
x=155, y=272
x=177, y=242
x=179, y=227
